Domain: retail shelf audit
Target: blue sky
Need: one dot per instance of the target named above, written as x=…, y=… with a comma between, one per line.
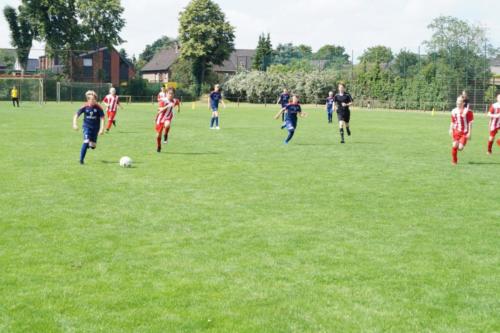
x=354, y=24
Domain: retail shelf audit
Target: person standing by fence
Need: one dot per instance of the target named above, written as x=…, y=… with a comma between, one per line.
x=14, y=94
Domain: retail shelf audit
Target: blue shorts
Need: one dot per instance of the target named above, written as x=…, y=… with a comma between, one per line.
x=214, y=108
x=90, y=134
x=290, y=124
x=329, y=110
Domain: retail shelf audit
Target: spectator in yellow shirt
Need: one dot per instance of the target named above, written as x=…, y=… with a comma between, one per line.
x=14, y=94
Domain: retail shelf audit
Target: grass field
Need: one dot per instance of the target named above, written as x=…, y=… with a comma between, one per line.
x=232, y=231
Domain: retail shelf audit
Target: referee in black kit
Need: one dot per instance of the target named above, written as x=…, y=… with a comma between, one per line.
x=342, y=103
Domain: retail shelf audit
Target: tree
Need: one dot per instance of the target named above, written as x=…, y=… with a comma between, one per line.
x=22, y=32
x=263, y=53
x=377, y=54
x=69, y=27
x=285, y=53
x=206, y=37
x=333, y=53
x=100, y=22
x=405, y=63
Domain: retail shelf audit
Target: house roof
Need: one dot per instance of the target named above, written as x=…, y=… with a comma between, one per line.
x=235, y=60
x=162, y=60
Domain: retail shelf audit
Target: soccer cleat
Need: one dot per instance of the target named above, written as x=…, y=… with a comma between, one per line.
x=165, y=141
x=107, y=130
x=217, y=128
x=82, y=162
x=285, y=142
x=158, y=150
x=454, y=163
x=348, y=131
x=342, y=141
x=489, y=153
x=114, y=123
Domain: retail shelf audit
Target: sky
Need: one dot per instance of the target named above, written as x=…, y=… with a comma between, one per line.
x=354, y=24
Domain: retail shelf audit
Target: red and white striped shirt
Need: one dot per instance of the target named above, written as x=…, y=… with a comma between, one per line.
x=161, y=96
x=494, y=122
x=112, y=102
x=461, y=119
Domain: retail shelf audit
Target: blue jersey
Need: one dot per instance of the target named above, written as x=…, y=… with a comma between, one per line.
x=291, y=112
x=215, y=97
x=92, y=115
x=329, y=102
x=284, y=99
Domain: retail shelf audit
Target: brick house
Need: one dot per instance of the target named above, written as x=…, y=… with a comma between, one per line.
x=101, y=65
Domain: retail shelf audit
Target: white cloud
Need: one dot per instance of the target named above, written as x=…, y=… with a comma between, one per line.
x=354, y=24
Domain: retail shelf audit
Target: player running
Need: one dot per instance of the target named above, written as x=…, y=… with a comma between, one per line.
x=93, y=123
x=164, y=117
x=213, y=104
x=162, y=93
x=112, y=102
x=494, y=124
x=330, y=100
x=283, y=100
x=343, y=101
x=291, y=110
x=460, y=127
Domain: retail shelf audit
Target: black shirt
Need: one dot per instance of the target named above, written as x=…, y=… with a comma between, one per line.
x=339, y=99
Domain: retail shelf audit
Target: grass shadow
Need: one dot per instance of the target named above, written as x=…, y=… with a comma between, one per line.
x=190, y=153
x=484, y=163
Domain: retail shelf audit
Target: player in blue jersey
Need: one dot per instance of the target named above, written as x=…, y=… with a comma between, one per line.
x=214, y=99
x=93, y=123
x=283, y=100
x=291, y=111
x=329, y=106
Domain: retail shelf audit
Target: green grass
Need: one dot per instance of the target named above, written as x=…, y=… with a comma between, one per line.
x=232, y=231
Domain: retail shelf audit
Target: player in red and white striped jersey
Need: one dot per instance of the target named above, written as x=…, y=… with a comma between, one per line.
x=162, y=94
x=164, y=117
x=494, y=125
x=112, y=102
x=460, y=127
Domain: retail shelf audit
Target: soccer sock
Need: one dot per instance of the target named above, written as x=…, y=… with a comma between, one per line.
x=217, y=121
x=158, y=141
x=83, y=152
x=290, y=135
x=165, y=136
x=490, y=146
x=212, y=120
x=110, y=122
x=348, y=130
x=342, y=134
x=454, y=152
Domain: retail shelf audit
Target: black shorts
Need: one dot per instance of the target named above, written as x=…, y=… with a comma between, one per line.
x=344, y=115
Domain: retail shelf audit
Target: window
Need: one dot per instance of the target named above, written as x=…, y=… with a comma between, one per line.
x=87, y=62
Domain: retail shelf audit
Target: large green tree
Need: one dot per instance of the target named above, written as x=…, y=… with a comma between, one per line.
x=206, y=37
x=377, y=54
x=263, y=53
x=22, y=32
x=332, y=53
x=69, y=27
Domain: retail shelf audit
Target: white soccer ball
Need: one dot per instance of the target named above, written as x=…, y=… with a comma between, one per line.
x=125, y=162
